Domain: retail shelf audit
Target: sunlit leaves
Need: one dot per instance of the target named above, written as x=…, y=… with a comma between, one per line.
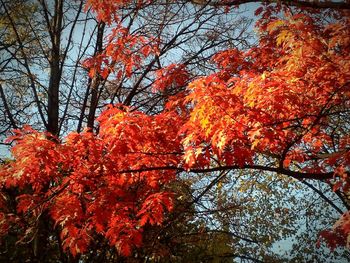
x=280, y=99
x=281, y=93
x=280, y=106
x=86, y=183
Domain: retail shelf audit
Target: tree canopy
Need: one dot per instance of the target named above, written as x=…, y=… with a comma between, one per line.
x=189, y=106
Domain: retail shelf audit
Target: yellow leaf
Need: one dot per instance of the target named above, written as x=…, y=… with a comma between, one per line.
x=204, y=123
x=255, y=143
x=282, y=37
x=274, y=25
x=221, y=140
x=198, y=151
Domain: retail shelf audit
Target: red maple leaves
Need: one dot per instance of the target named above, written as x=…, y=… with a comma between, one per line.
x=123, y=53
x=84, y=185
x=172, y=76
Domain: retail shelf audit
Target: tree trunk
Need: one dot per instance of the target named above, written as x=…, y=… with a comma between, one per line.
x=96, y=79
x=55, y=73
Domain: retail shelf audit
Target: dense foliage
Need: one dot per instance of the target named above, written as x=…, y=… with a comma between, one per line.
x=277, y=110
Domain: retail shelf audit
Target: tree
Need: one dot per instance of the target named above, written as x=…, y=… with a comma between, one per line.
x=27, y=59
x=280, y=107
x=44, y=33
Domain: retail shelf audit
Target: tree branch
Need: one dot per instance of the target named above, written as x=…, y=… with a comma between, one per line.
x=323, y=196
x=310, y=4
x=7, y=109
x=279, y=170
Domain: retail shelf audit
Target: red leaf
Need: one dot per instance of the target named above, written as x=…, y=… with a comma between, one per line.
x=258, y=11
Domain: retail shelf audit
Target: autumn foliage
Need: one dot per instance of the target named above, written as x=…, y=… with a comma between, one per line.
x=278, y=107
